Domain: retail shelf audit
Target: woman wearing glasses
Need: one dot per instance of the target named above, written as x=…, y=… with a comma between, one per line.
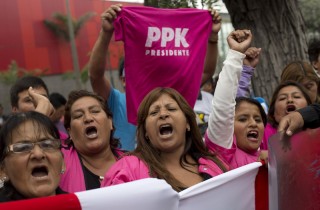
x=30, y=158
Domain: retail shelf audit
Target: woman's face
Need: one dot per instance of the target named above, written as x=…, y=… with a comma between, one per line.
x=312, y=89
x=166, y=125
x=289, y=99
x=90, y=127
x=248, y=127
x=35, y=173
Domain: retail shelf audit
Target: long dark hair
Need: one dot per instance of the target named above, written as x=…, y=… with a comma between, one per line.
x=194, y=142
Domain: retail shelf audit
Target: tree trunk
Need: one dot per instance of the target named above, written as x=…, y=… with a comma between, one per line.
x=278, y=28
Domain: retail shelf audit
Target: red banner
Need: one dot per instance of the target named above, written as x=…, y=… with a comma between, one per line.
x=294, y=171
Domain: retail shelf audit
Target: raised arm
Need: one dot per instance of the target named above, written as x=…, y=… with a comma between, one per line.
x=212, y=48
x=100, y=84
x=221, y=120
x=249, y=64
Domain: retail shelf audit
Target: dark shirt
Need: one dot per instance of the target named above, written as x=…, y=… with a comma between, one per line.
x=311, y=116
x=9, y=193
x=92, y=180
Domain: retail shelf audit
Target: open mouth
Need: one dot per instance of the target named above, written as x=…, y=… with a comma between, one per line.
x=165, y=129
x=91, y=132
x=40, y=171
x=291, y=108
x=253, y=135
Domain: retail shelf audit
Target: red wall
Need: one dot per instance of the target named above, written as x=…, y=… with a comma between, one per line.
x=25, y=39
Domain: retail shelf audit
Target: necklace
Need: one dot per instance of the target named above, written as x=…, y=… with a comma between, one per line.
x=101, y=178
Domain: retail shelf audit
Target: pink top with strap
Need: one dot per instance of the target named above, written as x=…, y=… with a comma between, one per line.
x=131, y=168
x=73, y=178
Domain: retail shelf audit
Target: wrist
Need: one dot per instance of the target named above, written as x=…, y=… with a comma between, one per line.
x=104, y=36
x=213, y=38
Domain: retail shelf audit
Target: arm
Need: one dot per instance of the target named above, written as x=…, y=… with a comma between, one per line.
x=244, y=83
x=97, y=62
x=307, y=117
x=221, y=120
x=249, y=64
x=212, y=48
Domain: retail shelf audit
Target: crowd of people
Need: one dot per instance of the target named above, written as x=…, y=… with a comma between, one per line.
x=52, y=145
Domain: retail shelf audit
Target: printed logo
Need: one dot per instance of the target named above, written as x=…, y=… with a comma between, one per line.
x=166, y=35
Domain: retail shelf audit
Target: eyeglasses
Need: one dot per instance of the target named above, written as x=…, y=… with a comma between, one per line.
x=26, y=147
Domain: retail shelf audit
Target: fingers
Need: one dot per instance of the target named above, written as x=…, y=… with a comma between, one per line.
x=241, y=35
x=216, y=18
x=263, y=156
x=291, y=123
x=41, y=102
x=240, y=40
x=252, y=52
x=33, y=95
x=283, y=126
x=111, y=13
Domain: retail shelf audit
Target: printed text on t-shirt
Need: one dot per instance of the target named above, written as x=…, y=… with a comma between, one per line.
x=165, y=35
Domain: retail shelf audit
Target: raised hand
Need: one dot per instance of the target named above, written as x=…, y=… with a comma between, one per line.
x=41, y=103
x=239, y=40
x=252, y=57
x=216, y=19
x=108, y=16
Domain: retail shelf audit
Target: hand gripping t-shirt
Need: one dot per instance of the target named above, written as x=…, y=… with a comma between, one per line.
x=163, y=48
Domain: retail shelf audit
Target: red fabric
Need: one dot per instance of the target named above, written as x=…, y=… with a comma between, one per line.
x=261, y=189
x=296, y=161
x=61, y=202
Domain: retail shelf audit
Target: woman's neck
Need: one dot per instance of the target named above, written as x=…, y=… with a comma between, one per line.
x=99, y=163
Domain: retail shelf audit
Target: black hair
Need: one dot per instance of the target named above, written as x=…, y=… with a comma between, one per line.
x=41, y=123
x=23, y=84
x=76, y=95
x=263, y=114
x=314, y=50
x=57, y=100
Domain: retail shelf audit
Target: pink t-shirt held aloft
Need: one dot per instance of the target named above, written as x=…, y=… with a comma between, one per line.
x=163, y=48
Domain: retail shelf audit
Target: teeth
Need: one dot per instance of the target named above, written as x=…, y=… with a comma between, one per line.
x=253, y=134
x=165, y=129
x=91, y=132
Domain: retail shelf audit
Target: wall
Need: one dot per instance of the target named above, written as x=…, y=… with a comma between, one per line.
x=25, y=39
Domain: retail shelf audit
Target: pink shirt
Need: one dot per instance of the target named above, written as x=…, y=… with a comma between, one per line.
x=72, y=180
x=268, y=132
x=234, y=156
x=163, y=48
x=131, y=168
